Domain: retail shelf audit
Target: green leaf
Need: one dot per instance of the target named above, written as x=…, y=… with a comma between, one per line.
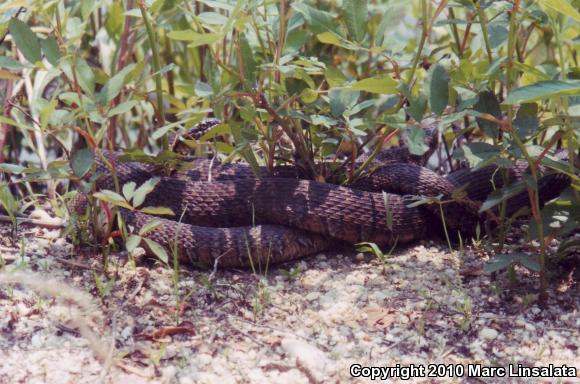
x=85, y=76
x=477, y=153
x=368, y=247
x=82, y=161
x=12, y=168
x=222, y=147
x=324, y=120
x=487, y=103
x=319, y=21
x=9, y=121
x=379, y=84
x=212, y=18
x=150, y=226
x=563, y=7
x=498, y=32
x=334, y=76
x=10, y=63
x=46, y=109
x=195, y=39
x=356, y=17
x=122, y=108
x=531, y=71
x=526, y=122
x=144, y=190
x=216, y=130
x=129, y=190
x=496, y=197
x=112, y=198
x=390, y=22
x=295, y=41
x=114, y=85
x=157, y=250
x=439, y=89
x=543, y=90
x=115, y=20
x=249, y=63
x=333, y=39
x=418, y=107
x=308, y=95
x=8, y=202
x=157, y=211
x=498, y=263
x=529, y=262
x=132, y=242
x=340, y=101
x=87, y=7
x=203, y=89
x=25, y=40
x=415, y=140
x=50, y=49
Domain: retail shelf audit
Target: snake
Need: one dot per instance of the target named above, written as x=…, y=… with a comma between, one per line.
x=229, y=216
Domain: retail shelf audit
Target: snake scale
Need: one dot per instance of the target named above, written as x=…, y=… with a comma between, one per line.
x=233, y=218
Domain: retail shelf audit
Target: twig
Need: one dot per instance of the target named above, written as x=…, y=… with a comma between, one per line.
x=77, y=265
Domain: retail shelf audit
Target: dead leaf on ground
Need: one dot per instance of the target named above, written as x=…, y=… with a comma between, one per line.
x=185, y=327
x=380, y=317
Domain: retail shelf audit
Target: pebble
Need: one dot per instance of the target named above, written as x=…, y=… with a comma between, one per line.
x=313, y=296
x=308, y=356
x=535, y=310
x=39, y=214
x=488, y=333
x=127, y=332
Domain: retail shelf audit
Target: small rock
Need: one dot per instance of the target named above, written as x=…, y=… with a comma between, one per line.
x=530, y=327
x=36, y=340
x=313, y=296
x=488, y=333
x=126, y=332
x=39, y=214
x=308, y=356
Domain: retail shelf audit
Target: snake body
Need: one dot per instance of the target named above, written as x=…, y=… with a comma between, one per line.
x=232, y=218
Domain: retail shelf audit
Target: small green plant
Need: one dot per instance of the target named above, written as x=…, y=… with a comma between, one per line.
x=466, y=313
x=207, y=281
x=377, y=252
x=131, y=199
x=103, y=286
x=40, y=302
x=257, y=267
x=529, y=299
x=293, y=273
x=155, y=356
x=262, y=297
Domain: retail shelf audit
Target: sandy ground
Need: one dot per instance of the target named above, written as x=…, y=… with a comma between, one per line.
x=63, y=321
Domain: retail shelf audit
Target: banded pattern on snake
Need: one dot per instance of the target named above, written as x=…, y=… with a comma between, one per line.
x=241, y=220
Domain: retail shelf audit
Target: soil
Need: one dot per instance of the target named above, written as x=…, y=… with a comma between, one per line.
x=62, y=320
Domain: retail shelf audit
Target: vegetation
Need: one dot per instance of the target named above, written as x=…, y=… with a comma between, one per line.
x=296, y=82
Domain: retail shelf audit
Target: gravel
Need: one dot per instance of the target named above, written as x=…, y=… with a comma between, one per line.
x=302, y=322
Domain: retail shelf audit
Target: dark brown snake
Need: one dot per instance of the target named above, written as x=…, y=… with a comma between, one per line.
x=232, y=217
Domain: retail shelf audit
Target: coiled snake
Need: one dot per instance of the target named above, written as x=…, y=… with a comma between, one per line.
x=238, y=219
